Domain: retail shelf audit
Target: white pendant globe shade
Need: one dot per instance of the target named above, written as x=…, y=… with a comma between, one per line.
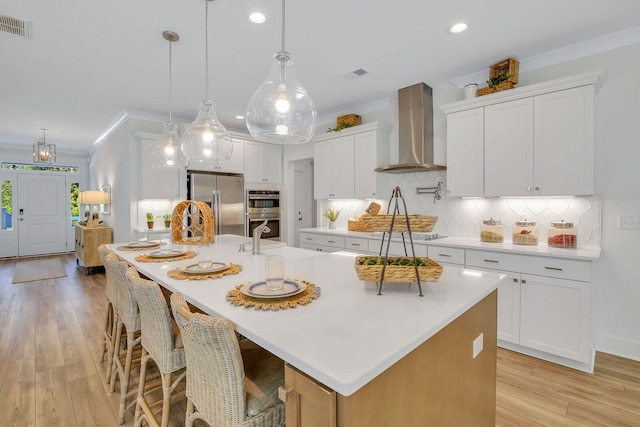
x=281, y=110
x=165, y=152
x=206, y=140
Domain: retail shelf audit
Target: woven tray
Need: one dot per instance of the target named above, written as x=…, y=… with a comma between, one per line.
x=422, y=223
x=399, y=273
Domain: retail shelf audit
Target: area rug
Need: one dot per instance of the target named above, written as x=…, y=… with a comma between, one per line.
x=37, y=269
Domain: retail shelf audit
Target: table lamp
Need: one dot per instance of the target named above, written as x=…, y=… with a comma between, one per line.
x=95, y=198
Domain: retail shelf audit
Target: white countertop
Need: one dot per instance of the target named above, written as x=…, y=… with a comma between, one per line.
x=582, y=253
x=349, y=335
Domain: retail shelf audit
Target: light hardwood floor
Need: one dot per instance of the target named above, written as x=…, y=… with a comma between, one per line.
x=50, y=369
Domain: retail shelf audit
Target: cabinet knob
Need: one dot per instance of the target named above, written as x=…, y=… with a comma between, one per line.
x=523, y=281
x=283, y=393
x=515, y=280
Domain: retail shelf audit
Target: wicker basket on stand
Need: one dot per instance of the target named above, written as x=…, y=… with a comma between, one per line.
x=430, y=272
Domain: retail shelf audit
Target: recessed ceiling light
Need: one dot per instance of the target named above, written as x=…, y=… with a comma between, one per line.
x=458, y=27
x=257, y=18
x=239, y=117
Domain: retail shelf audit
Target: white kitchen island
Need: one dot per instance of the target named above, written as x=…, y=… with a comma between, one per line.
x=355, y=358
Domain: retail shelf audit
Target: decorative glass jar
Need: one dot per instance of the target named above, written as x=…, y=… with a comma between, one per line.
x=562, y=235
x=525, y=233
x=491, y=231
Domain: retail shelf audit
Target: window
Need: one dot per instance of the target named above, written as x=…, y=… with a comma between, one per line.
x=73, y=203
x=7, y=205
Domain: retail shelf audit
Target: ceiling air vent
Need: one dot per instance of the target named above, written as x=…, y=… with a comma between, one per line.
x=360, y=72
x=14, y=25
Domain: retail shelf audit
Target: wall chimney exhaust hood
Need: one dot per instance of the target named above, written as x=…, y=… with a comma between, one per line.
x=415, y=131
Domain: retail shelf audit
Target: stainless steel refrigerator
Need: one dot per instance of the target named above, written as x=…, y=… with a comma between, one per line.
x=225, y=194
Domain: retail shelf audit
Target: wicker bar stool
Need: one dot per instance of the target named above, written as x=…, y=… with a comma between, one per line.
x=229, y=383
x=110, y=318
x=160, y=344
x=129, y=323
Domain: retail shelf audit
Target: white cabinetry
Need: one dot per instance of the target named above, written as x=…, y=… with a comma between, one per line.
x=345, y=163
x=537, y=140
x=234, y=164
x=446, y=255
x=465, y=139
x=321, y=242
x=155, y=183
x=543, y=305
x=263, y=163
x=333, y=171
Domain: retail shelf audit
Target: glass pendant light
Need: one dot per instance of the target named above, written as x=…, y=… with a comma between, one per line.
x=281, y=110
x=166, y=153
x=206, y=140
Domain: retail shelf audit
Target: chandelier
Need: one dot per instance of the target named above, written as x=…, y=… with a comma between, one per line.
x=43, y=152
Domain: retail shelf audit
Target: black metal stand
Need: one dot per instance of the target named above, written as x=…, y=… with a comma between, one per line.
x=395, y=195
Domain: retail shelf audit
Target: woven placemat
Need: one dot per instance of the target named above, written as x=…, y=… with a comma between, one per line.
x=236, y=297
x=181, y=275
x=147, y=258
x=145, y=248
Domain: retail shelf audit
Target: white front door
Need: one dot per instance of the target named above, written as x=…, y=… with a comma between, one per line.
x=42, y=214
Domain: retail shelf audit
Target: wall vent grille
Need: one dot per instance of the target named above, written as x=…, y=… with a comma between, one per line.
x=14, y=25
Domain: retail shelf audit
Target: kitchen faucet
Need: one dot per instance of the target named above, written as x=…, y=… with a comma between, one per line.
x=257, y=233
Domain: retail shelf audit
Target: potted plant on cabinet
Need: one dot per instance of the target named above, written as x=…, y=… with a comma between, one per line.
x=332, y=215
x=150, y=220
x=167, y=220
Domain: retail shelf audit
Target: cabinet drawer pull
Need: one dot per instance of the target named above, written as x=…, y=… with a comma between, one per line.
x=490, y=260
x=331, y=241
x=355, y=244
x=553, y=268
x=283, y=393
x=445, y=255
x=309, y=238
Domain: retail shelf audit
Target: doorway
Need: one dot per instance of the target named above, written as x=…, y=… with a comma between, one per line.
x=41, y=214
x=303, y=201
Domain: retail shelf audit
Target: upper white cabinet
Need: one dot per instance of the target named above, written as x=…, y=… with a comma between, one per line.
x=465, y=166
x=333, y=171
x=262, y=163
x=345, y=163
x=155, y=183
x=234, y=164
x=537, y=140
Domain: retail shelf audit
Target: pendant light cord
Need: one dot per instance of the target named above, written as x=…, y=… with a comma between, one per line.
x=206, y=49
x=170, y=84
x=283, y=25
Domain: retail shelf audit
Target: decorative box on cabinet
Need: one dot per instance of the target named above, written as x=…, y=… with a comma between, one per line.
x=536, y=140
x=87, y=242
x=262, y=163
x=544, y=306
x=345, y=162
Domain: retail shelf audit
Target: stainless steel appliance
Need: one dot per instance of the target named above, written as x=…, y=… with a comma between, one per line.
x=263, y=205
x=225, y=194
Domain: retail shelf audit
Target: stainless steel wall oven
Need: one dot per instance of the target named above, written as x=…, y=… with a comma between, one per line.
x=263, y=205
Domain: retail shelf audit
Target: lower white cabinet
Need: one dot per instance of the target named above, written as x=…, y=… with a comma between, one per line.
x=549, y=311
x=321, y=242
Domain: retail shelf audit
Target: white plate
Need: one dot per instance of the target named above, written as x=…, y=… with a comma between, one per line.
x=194, y=269
x=142, y=244
x=259, y=289
x=168, y=254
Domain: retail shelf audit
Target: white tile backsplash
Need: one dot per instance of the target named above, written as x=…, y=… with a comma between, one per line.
x=463, y=217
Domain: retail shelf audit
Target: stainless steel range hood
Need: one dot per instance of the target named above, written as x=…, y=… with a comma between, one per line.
x=415, y=131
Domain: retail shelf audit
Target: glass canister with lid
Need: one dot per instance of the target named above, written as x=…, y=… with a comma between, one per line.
x=491, y=231
x=525, y=233
x=562, y=235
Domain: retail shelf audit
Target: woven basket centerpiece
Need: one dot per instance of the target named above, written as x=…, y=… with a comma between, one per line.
x=428, y=269
x=192, y=223
x=418, y=223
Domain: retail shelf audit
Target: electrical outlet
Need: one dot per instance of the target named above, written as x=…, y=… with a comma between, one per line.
x=478, y=344
x=628, y=222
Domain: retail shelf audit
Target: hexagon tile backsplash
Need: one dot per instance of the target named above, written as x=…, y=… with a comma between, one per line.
x=463, y=217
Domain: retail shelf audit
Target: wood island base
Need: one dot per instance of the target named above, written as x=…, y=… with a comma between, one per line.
x=437, y=384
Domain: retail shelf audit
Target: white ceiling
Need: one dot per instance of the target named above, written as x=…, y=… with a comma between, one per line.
x=86, y=61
